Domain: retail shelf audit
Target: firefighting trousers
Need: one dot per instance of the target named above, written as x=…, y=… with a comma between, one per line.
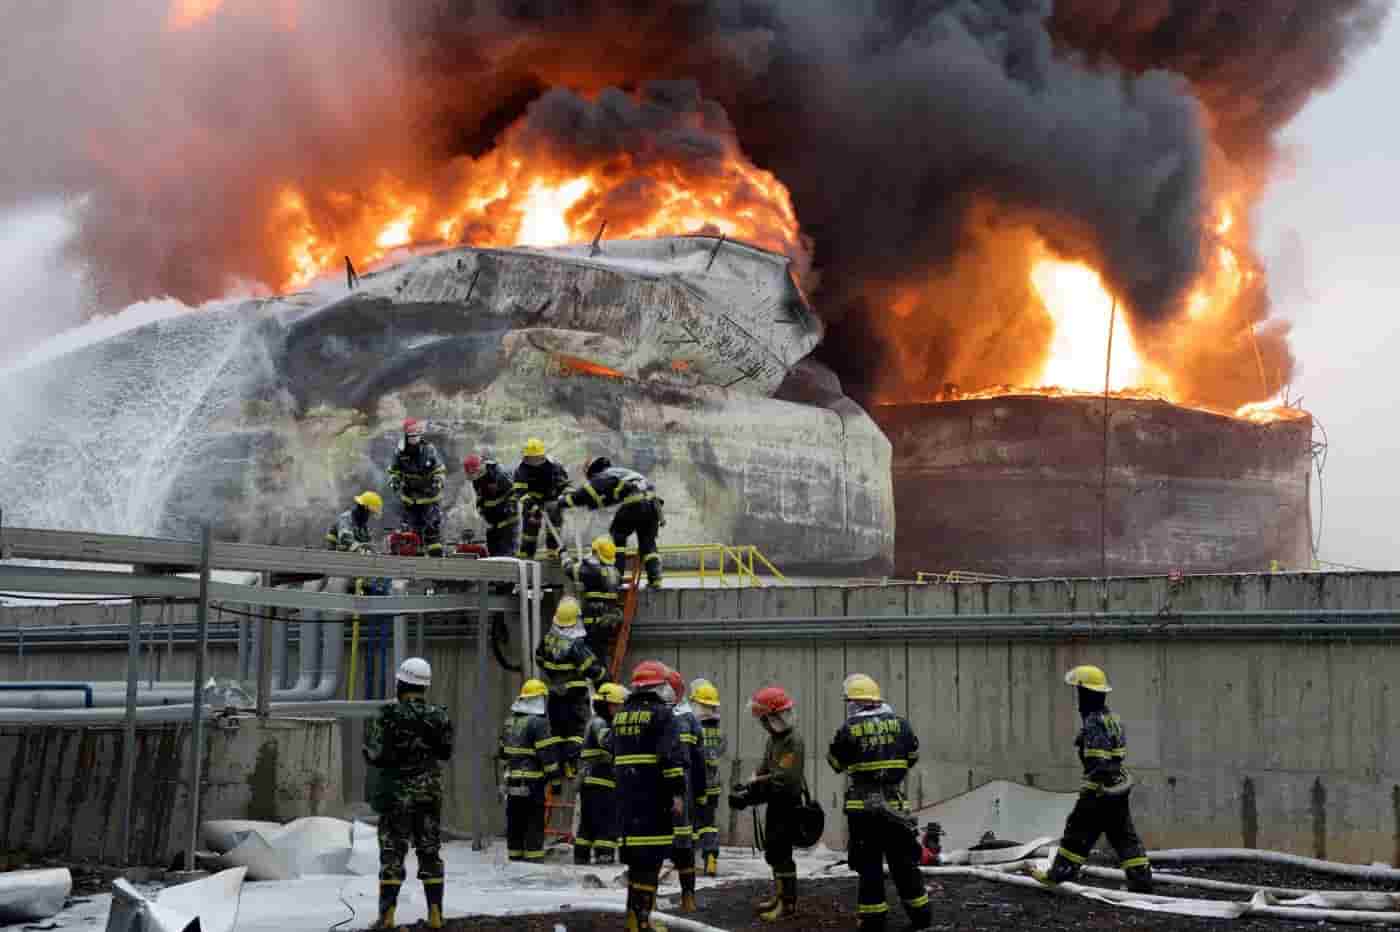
x=875, y=841
x=599, y=829
x=416, y=821
x=644, y=520
x=500, y=541
x=707, y=825
x=569, y=714
x=426, y=520
x=525, y=827
x=1095, y=815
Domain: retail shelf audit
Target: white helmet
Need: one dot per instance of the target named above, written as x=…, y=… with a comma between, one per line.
x=415, y=672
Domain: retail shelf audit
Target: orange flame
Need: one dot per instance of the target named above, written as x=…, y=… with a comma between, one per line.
x=574, y=365
x=186, y=14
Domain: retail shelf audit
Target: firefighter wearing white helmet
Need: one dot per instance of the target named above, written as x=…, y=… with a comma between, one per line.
x=351, y=529
x=1102, y=807
x=408, y=743
x=876, y=748
x=531, y=755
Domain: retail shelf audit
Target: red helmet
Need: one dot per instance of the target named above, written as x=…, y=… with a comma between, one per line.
x=677, y=684
x=473, y=467
x=649, y=673
x=412, y=427
x=770, y=700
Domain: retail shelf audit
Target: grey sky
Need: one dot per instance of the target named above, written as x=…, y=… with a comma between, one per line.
x=1330, y=227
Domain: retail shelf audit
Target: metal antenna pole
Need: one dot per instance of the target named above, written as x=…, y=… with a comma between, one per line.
x=1103, y=481
x=197, y=728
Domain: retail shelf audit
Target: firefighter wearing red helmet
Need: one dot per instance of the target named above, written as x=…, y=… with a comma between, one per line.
x=649, y=765
x=495, y=502
x=692, y=738
x=418, y=474
x=779, y=782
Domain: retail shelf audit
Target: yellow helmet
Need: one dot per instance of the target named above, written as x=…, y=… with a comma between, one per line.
x=533, y=688
x=612, y=692
x=370, y=500
x=604, y=547
x=704, y=692
x=566, y=613
x=859, y=686
x=1090, y=677
x=534, y=447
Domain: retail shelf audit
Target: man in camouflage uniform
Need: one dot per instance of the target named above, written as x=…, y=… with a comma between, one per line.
x=418, y=474
x=351, y=529
x=1102, y=807
x=875, y=749
x=779, y=783
x=408, y=743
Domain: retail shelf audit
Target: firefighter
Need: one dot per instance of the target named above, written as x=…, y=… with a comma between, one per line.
x=1102, y=807
x=704, y=699
x=639, y=510
x=778, y=783
x=530, y=753
x=597, y=582
x=539, y=481
x=650, y=764
x=495, y=502
x=351, y=529
x=692, y=739
x=598, y=836
x=408, y=743
x=417, y=474
x=875, y=749
x=572, y=670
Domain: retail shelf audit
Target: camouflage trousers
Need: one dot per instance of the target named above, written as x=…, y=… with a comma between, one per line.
x=418, y=821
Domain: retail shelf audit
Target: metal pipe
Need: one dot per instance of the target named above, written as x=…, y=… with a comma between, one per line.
x=182, y=713
x=197, y=714
x=41, y=686
x=479, y=745
x=133, y=671
x=527, y=646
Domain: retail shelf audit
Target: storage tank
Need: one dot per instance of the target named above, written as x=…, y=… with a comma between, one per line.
x=1012, y=485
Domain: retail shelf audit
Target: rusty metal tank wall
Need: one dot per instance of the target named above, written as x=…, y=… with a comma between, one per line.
x=1012, y=486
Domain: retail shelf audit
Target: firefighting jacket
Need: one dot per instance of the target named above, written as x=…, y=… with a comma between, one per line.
x=783, y=761
x=408, y=742
x=530, y=753
x=597, y=584
x=417, y=473
x=1103, y=749
x=692, y=738
x=597, y=754
x=540, y=483
x=613, y=486
x=649, y=763
x=350, y=531
x=495, y=496
x=568, y=663
x=875, y=749
x=715, y=746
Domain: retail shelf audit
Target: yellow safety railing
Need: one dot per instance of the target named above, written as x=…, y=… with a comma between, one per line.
x=723, y=564
x=957, y=576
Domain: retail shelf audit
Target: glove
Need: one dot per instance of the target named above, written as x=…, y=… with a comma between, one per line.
x=677, y=807
x=739, y=797
x=396, y=483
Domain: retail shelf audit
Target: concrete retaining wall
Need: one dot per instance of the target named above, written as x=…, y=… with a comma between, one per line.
x=62, y=783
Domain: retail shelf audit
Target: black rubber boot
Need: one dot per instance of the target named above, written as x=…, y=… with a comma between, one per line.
x=388, y=900
x=584, y=855
x=1139, y=879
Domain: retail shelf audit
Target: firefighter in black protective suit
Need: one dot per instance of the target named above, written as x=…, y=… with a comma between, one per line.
x=418, y=474
x=539, y=481
x=875, y=749
x=649, y=763
x=572, y=671
x=692, y=738
x=495, y=502
x=598, y=835
x=597, y=583
x=531, y=756
x=351, y=529
x=639, y=510
x=1102, y=807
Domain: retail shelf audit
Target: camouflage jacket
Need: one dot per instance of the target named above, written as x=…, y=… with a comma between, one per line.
x=783, y=763
x=408, y=742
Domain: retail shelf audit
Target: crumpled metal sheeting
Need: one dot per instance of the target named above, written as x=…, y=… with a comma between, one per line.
x=206, y=905
x=271, y=851
x=33, y=894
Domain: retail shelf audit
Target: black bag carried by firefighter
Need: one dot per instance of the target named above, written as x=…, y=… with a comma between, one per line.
x=811, y=821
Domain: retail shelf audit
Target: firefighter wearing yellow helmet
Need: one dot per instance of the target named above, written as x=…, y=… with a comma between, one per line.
x=704, y=700
x=571, y=669
x=599, y=829
x=539, y=481
x=876, y=748
x=351, y=529
x=1102, y=807
x=597, y=582
x=531, y=755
